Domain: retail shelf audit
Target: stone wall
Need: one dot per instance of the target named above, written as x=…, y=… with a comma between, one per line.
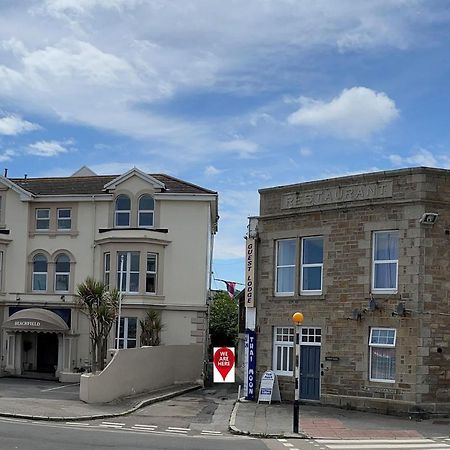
x=347, y=225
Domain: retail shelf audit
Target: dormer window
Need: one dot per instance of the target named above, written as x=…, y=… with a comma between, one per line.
x=146, y=211
x=122, y=211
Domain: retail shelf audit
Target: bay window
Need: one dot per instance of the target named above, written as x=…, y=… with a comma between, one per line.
x=150, y=279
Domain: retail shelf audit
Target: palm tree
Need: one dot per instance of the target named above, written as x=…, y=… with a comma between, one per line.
x=151, y=328
x=101, y=306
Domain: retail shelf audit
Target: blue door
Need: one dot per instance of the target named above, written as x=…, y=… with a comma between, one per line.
x=310, y=372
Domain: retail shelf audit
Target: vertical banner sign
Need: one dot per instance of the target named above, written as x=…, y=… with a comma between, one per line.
x=250, y=273
x=250, y=379
x=224, y=365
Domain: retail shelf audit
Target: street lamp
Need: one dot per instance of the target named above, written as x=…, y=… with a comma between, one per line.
x=298, y=319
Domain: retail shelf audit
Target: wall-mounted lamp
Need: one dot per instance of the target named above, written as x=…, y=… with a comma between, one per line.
x=17, y=298
x=63, y=298
x=429, y=218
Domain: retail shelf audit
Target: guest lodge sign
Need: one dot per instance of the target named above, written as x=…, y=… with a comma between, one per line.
x=338, y=194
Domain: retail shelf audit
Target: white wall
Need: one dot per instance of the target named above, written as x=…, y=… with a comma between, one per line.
x=137, y=370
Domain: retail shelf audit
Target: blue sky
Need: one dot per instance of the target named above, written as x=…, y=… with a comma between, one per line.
x=234, y=96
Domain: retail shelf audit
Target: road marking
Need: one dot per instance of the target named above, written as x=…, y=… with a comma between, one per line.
x=77, y=424
x=378, y=444
x=60, y=387
x=178, y=428
x=111, y=425
x=14, y=420
x=139, y=425
x=211, y=432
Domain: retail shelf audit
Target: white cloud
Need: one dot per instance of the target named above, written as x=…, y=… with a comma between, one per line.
x=356, y=113
x=7, y=155
x=211, y=171
x=305, y=151
x=48, y=148
x=12, y=125
x=244, y=148
x=422, y=157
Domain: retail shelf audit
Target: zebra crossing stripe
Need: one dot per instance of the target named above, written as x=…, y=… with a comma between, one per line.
x=391, y=444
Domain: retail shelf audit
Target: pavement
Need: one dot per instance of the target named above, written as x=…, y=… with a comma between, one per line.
x=43, y=400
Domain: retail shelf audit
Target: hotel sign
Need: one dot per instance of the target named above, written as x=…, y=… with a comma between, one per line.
x=27, y=323
x=250, y=273
x=338, y=194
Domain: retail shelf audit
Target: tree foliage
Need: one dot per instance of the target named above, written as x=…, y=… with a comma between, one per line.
x=101, y=305
x=223, y=321
x=151, y=328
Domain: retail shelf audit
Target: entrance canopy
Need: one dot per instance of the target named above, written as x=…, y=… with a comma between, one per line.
x=35, y=319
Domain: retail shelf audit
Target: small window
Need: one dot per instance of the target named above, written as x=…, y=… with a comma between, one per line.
x=311, y=336
x=39, y=281
x=385, y=261
x=382, y=354
x=285, y=267
x=122, y=211
x=283, y=347
x=150, y=280
x=64, y=218
x=146, y=211
x=127, y=333
x=130, y=273
x=62, y=273
x=106, y=269
x=312, y=265
x=42, y=219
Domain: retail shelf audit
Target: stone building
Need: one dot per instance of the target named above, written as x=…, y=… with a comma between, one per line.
x=153, y=232
x=366, y=259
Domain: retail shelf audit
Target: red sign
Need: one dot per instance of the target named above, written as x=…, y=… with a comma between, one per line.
x=223, y=363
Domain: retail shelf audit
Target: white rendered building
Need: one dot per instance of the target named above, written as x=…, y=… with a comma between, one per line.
x=55, y=232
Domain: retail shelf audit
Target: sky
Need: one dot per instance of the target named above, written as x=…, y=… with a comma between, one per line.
x=232, y=95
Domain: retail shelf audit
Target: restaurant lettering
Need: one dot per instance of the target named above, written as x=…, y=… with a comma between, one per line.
x=337, y=194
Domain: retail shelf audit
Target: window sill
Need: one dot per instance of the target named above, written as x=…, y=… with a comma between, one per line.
x=52, y=234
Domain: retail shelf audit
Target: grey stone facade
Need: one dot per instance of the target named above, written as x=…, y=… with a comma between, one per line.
x=346, y=212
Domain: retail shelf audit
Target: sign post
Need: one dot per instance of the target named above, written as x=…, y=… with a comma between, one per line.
x=298, y=319
x=250, y=356
x=224, y=369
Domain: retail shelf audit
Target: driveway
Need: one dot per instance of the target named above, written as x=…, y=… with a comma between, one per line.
x=38, y=389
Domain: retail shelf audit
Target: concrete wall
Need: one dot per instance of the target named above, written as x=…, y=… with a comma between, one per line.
x=144, y=369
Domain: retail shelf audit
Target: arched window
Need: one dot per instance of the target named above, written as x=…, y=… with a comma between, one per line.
x=62, y=273
x=146, y=211
x=39, y=282
x=122, y=211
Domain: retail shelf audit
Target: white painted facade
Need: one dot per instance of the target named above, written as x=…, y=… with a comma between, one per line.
x=180, y=240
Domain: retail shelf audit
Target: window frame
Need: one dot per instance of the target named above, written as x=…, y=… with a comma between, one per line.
x=107, y=269
x=65, y=274
x=146, y=211
x=384, y=261
x=311, y=265
x=383, y=345
x=148, y=272
x=125, y=339
x=122, y=211
x=285, y=346
x=58, y=219
x=287, y=266
x=33, y=273
x=38, y=219
x=128, y=271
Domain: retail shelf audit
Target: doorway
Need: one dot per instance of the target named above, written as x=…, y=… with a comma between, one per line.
x=310, y=341
x=47, y=353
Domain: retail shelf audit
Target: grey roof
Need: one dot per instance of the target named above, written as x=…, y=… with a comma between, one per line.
x=90, y=185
